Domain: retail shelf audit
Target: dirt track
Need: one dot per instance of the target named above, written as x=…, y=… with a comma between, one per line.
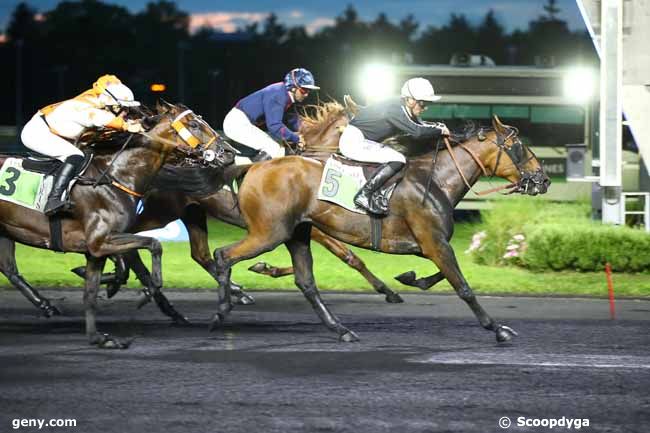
x=422, y=366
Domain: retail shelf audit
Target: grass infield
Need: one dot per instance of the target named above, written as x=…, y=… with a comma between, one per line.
x=47, y=269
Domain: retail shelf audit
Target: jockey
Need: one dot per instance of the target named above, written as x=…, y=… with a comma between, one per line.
x=268, y=106
x=54, y=128
x=361, y=139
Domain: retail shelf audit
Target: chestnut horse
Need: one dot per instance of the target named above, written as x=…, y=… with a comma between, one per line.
x=191, y=194
x=278, y=201
x=105, y=201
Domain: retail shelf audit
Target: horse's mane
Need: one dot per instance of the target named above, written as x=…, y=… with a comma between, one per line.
x=413, y=148
x=316, y=119
x=188, y=180
x=197, y=181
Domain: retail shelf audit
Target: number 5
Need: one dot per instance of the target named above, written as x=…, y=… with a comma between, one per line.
x=331, y=187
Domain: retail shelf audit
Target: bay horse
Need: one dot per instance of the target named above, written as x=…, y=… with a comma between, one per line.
x=278, y=201
x=191, y=194
x=105, y=201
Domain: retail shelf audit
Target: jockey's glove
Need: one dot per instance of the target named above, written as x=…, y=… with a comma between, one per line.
x=133, y=127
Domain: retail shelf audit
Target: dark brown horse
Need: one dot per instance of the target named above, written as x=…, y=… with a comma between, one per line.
x=278, y=201
x=192, y=194
x=105, y=204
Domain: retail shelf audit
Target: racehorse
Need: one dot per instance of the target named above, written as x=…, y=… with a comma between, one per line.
x=278, y=201
x=190, y=194
x=105, y=201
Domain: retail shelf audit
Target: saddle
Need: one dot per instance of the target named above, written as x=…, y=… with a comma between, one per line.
x=41, y=165
x=49, y=166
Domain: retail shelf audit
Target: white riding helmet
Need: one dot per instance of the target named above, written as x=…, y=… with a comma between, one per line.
x=118, y=94
x=419, y=89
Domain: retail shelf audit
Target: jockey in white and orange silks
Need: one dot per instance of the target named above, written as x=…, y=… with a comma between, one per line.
x=54, y=128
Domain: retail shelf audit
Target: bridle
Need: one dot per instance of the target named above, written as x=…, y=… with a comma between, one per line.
x=515, y=152
x=190, y=139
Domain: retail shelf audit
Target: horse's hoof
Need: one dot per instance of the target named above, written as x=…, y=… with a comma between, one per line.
x=244, y=299
x=144, y=299
x=407, y=278
x=180, y=321
x=394, y=298
x=111, y=290
x=217, y=320
x=50, y=310
x=105, y=341
x=348, y=337
x=505, y=333
x=259, y=267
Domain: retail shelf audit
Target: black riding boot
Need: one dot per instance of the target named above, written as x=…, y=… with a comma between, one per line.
x=64, y=175
x=365, y=199
x=261, y=156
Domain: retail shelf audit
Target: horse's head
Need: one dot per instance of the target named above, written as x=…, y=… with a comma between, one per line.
x=180, y=129
x=513, y=160
x=322, y=125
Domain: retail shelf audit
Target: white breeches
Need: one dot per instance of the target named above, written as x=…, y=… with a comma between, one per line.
x=38, y=137
x=237, y=127
x=355, y=146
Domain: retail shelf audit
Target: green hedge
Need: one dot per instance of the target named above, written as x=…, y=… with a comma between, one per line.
x=551, y=236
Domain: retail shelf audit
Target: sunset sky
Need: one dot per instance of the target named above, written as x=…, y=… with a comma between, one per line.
x=227, y=15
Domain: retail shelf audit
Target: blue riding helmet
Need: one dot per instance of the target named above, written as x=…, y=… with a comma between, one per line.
x=300, y=77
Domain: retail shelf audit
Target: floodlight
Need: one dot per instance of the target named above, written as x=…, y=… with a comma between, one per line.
x=377, y=81
x=579, y=85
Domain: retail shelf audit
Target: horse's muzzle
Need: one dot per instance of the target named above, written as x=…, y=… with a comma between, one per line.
x=533, y=183
x=219, y=157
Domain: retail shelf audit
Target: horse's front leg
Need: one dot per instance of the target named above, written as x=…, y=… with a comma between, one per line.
x=133, y=261
x=441, y=253
x=94, y=267
x=197, y=229
x=122, y=243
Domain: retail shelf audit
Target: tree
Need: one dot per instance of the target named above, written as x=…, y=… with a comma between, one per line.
x=23, y=24
x=437, y=45
x=552, y=10
x=490, y=38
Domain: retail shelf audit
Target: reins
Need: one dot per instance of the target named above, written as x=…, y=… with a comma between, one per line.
x=481, y=166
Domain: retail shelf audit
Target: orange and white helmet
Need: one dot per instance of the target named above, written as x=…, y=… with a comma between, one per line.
x=111, y=91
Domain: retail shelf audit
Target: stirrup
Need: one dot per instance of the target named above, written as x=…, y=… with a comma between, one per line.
x=58, y=207
x=369, y=204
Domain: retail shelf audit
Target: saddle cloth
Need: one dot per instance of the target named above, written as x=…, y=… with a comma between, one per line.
x=342, y=178
x=27, y=182
x=24, y=187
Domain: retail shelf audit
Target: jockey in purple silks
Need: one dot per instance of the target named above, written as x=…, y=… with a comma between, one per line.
x=268, y=107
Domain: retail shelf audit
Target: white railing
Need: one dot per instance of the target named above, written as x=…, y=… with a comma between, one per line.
x=646, y=207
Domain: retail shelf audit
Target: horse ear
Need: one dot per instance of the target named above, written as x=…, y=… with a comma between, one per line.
x=498, y=126
x=163, y=106
x=351, y=107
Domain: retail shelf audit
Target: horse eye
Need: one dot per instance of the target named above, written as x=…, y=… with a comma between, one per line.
x=194, y=124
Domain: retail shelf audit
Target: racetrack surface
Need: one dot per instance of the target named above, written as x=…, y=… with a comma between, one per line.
x=422, y=366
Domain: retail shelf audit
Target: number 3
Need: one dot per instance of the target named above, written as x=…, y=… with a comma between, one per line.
x=11, y=185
